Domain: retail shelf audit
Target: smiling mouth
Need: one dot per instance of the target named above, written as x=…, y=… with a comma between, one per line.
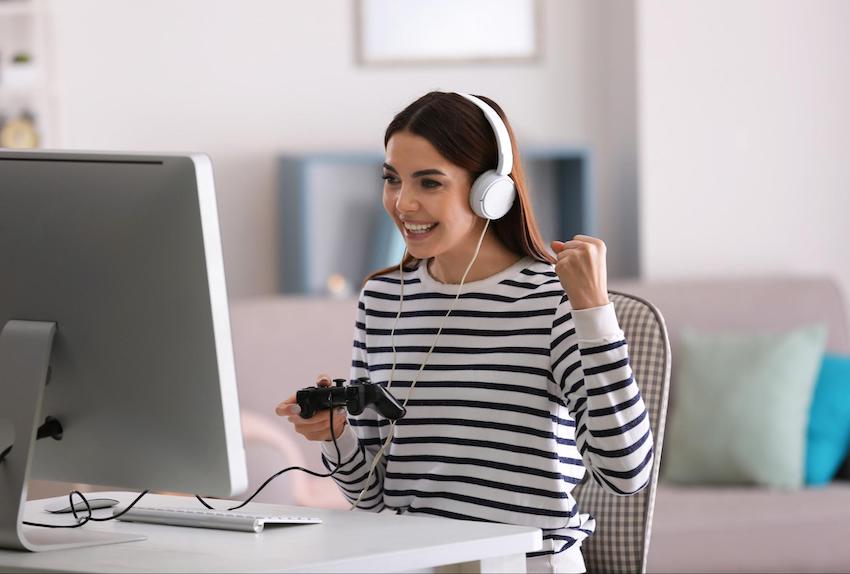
x=415, y=229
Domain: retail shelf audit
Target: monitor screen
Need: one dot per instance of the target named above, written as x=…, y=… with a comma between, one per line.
x=122, y=252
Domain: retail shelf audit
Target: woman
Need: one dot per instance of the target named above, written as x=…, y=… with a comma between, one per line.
x=512, y=364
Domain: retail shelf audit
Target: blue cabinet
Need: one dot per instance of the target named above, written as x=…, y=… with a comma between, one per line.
x=333, y=230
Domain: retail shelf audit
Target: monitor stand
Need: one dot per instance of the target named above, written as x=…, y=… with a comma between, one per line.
x=25, y=348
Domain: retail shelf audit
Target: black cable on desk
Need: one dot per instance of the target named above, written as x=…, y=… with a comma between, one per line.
x=89, y=517
x=339, y=464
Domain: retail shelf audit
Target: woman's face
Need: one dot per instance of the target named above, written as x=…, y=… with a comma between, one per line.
x=427, y=196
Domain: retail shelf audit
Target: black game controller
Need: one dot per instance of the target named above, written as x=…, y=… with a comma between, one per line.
x=354, y=397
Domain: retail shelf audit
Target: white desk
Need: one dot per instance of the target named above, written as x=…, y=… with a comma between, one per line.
x=344, y=542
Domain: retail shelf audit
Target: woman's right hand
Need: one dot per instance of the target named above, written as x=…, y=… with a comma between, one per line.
x=318, y=426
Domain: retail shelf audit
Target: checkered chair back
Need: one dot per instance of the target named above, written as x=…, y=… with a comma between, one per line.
x=623, y=523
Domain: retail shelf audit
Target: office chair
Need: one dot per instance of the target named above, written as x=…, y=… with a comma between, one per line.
x=624, y=523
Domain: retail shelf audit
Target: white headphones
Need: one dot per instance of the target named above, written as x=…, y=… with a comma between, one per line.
x=493, y=192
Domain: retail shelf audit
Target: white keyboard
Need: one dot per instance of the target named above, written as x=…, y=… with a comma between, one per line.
x=206, y=518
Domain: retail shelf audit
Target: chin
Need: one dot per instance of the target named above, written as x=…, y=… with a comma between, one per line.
x=418, y=252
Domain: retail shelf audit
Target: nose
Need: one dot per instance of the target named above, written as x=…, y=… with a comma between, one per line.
x=406, y=200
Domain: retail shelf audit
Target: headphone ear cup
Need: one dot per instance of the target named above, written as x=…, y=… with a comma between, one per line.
x=492, y=195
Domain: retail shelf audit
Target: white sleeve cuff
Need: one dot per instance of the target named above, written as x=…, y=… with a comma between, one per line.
x=597, y=324
x=347, y=442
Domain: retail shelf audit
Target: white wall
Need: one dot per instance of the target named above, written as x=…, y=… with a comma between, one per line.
x=744, y=137
x=247, y=80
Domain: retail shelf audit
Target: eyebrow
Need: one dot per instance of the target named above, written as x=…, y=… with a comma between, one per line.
x=419, y=173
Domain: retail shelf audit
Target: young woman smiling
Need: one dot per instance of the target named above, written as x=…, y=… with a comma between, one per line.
x=510, y=360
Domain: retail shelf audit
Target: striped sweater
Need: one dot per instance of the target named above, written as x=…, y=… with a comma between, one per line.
x=521, y=396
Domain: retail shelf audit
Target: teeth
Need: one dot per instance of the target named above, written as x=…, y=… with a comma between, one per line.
x=419, y=227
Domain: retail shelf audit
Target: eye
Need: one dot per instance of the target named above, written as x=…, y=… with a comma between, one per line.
x=431, y=183
x=390, y=178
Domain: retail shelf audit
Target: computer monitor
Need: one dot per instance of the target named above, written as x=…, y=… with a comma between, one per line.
x=120, y=255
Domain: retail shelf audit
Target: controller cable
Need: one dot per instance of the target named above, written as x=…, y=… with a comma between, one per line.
x=81, y=520
x=308, y=471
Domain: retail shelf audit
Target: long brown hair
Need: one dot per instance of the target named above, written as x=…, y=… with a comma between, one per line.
x=460, y=132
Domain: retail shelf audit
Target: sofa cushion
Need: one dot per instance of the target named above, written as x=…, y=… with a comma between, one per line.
x=829, y=421
x=743, y=409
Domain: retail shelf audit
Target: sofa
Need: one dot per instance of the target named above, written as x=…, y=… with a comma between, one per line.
x=282, y=343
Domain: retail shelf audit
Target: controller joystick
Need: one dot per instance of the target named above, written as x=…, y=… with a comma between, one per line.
x=355, y=397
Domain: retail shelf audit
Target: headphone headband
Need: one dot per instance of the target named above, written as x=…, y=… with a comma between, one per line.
x=503, y=138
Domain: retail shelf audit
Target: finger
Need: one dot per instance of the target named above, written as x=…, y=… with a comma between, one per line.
x=557, y=246
x=574, y=247
x=317, y=420
x=323, y=380
x=320, y=419
x=287, y=408
x=590, y=239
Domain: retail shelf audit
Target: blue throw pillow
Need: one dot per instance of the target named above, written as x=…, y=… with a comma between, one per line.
x=828, y=437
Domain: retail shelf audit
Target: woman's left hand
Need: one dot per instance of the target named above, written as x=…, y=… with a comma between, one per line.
x=582, y=271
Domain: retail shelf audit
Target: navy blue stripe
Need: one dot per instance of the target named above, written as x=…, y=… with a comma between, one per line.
x=563, y=356
x=528, y=271
x=474, y=296
x=393, y=281
x=603, y=348
x=569, y=371
x=560, y=338
x=476, y=443
x=477, y=424
x=463, y=313
x=460, y=350
x=472, y=367
x=623, y=451
x=489, y=405
x=481, y=502
x=478, y=462
x=626, y=474
x=610, y=388
x=368, y=422
x=328, y=464
x=621, y=429
x=563, y=319
x=479, y=482
x=616, y=408
x=610, y=487
x=378, y=498
x=465, y=332
x=573, y=389
x=606, y=368
x=526, y=285
x=567, y=545
x=478, y=385
x=474, y=385
x=356, y=491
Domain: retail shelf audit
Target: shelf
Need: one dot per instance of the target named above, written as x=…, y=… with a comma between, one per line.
x=26, y=87
x=332, y=223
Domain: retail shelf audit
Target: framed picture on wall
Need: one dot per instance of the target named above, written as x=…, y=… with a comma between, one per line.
x=447, y=31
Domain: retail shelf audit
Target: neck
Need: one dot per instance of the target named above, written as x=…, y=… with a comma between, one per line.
x=492, y=258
